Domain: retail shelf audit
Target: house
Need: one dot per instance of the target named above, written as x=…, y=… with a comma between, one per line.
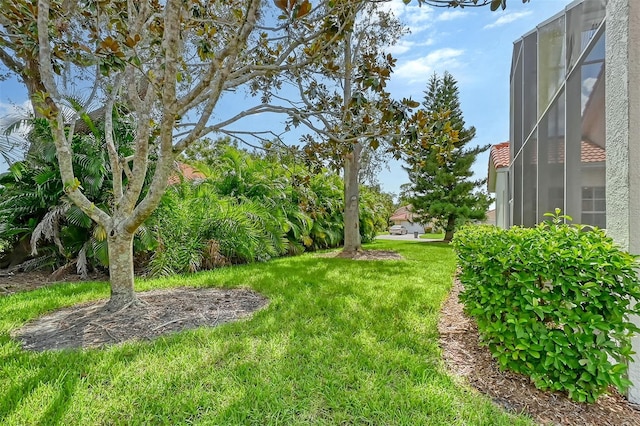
x=498, y=183
x=574, y=128
x=185, y=172
x=404, y=216
x=557, y=144
x=490, y=219
x=592, y=195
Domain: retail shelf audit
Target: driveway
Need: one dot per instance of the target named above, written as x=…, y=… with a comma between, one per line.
x=408, y=236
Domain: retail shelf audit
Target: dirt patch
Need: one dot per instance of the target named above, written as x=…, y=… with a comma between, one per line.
x=514, y=392
x=364, y=255
x=158, y=312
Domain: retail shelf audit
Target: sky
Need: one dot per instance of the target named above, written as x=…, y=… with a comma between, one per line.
x=473, y=44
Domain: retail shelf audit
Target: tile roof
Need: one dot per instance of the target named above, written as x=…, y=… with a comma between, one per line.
x=589, y=152
x=188, y=173
x=500, y=155
x=403, y=213
x=592, y=153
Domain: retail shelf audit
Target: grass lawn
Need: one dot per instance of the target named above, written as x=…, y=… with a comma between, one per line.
x=341, y=343
x=434, y=236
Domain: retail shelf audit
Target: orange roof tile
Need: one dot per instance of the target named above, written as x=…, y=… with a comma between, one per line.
x=500, y=155
x=188, y=173
x=592, y=153
x=403, y=213
x=589, y=152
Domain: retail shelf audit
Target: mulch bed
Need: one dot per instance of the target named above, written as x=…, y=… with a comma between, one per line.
x=157, y=313
x=364, y=255
x=13, y=282
x=465, y=358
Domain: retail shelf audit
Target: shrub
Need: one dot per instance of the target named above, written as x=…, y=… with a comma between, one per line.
x=197, y=229
x=552, y=302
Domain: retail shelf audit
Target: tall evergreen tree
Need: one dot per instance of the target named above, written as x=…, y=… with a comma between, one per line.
x=439, y=165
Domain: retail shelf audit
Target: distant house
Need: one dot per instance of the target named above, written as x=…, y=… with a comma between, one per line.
x=591, y=210
x=491, y=218
x=498, y=183
x=185, y=172
x=404, y=216
x=558, y=126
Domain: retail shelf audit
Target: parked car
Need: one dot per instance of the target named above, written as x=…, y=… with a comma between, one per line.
x=398, y=229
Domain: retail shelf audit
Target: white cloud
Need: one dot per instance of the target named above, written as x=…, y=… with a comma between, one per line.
x=416, y=18
x=588, y=83
x=587, y=88
x=421, y=69
x=507, y=18
x=395, y=7
x=404, y=46
x=451, y=15
x=401, y=47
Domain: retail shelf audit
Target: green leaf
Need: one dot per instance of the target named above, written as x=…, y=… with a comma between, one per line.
x=495, y=4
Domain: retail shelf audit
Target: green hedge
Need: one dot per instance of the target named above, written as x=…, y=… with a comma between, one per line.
x=552, y=302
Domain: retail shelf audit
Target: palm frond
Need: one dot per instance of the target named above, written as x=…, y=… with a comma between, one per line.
x=77, y=217
x=40, y=262
x=49, y=228
x=82, y=265
x=100, y=251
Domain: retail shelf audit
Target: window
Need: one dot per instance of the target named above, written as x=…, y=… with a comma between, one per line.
x=594, y=206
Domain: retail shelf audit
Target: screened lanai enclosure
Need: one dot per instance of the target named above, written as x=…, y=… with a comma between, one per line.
x=558, y=118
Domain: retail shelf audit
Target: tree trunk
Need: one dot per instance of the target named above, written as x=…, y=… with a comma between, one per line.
x=449, y=228
x=352, y=241
x=121, y=270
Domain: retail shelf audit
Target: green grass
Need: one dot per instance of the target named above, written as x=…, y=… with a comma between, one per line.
x=341, y=343
x=434, y=236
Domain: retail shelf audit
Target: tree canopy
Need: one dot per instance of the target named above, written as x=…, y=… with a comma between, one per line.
x=439, y=165
x=167, y=64
x=164, y=65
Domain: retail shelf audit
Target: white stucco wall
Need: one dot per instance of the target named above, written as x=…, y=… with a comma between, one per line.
x=623, y=139
x=502, y=198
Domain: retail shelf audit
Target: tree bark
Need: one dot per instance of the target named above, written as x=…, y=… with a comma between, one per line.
x=451, y=224
x=121, y=272
x=352, y=241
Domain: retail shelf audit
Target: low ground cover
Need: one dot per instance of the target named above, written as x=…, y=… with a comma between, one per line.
x=340, y=342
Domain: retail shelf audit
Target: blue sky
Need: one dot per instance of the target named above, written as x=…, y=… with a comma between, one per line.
x=473, y=44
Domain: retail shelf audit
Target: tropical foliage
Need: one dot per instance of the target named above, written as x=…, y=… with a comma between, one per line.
x=37, y=220
x=250, y=207
x=253, y=207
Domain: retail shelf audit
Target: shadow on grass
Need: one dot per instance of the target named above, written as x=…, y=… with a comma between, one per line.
x=342, y=341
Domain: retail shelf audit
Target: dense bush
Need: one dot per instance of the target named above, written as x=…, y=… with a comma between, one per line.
x=250, y=207
x=253, y=207
x=35, y=214
x=552, y=302
x=197, y=229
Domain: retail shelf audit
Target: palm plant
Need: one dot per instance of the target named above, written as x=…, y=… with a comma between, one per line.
x=306, y=207
x=12, y=141
x=36, y=217
x=196, y=229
